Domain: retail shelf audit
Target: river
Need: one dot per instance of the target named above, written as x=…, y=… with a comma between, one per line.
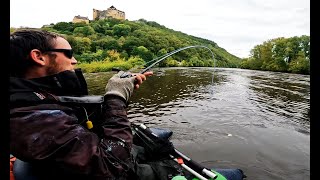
x=258, y=121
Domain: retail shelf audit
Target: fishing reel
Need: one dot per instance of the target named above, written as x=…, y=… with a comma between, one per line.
x=124, y=75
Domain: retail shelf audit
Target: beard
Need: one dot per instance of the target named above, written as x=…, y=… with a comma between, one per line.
x=54, y=67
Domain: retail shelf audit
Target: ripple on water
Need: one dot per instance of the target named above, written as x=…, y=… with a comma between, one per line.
x=266, y=113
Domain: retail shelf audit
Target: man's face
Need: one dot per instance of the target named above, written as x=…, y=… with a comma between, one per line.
x=61, y=62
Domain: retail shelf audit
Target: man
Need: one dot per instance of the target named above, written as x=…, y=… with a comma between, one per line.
x=54, y=126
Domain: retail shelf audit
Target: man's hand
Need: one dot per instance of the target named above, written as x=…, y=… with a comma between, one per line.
x=140, y=78
x=123, y=87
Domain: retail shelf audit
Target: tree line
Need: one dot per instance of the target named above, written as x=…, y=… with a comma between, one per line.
x=281, y=54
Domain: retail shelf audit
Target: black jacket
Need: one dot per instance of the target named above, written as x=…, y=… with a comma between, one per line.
x=49, y=130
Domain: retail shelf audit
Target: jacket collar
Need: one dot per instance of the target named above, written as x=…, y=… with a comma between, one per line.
x=66, y=83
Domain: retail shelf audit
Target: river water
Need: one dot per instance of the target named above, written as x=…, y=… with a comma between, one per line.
x=257, y=121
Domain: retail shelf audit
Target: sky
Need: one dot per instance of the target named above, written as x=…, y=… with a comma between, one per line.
x=235, y=25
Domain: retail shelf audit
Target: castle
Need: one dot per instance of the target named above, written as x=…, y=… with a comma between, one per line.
x=110, y=12
x=79, y=18
x=97, y=14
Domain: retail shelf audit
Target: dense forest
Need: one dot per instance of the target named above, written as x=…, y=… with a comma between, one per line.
x=103, y=44
x=281, y=54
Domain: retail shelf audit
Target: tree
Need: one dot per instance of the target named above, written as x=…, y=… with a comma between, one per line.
x=114, y=55
x=305, y=45
x=84, y=31
x=162, y=52
x=107, y=43
x=99, y=28
x=63, y=26
x=130, y=43
x=80, y=44
x=300, y=65
x=121, y=30
x=266, y=55
x=256, y=60
x=143, y=52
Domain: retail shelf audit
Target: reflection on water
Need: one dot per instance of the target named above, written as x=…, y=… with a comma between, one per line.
x=255, y=120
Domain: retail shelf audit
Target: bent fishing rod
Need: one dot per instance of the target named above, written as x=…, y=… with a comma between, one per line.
x=161, y=58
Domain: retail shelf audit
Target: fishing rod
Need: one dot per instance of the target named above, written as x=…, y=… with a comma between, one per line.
x=140, y=131
x=161, y=58
x=198, y=167
x=190, y=165
x=188, y=168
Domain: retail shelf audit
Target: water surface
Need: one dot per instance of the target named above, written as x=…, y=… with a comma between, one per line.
x=258, y=121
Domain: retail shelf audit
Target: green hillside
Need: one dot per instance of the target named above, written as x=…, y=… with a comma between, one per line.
x=102, y=44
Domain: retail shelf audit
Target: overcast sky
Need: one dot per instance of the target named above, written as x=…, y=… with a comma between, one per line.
x=235, y=25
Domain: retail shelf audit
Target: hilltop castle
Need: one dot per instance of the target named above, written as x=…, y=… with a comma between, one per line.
x=104, y=14
x=110, y=12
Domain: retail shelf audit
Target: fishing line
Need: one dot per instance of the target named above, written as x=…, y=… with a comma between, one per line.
x=161, y=58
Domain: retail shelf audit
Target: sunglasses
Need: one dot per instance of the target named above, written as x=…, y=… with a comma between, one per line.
x=67, y=52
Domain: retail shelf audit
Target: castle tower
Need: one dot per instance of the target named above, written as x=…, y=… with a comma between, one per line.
x=95, y=14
